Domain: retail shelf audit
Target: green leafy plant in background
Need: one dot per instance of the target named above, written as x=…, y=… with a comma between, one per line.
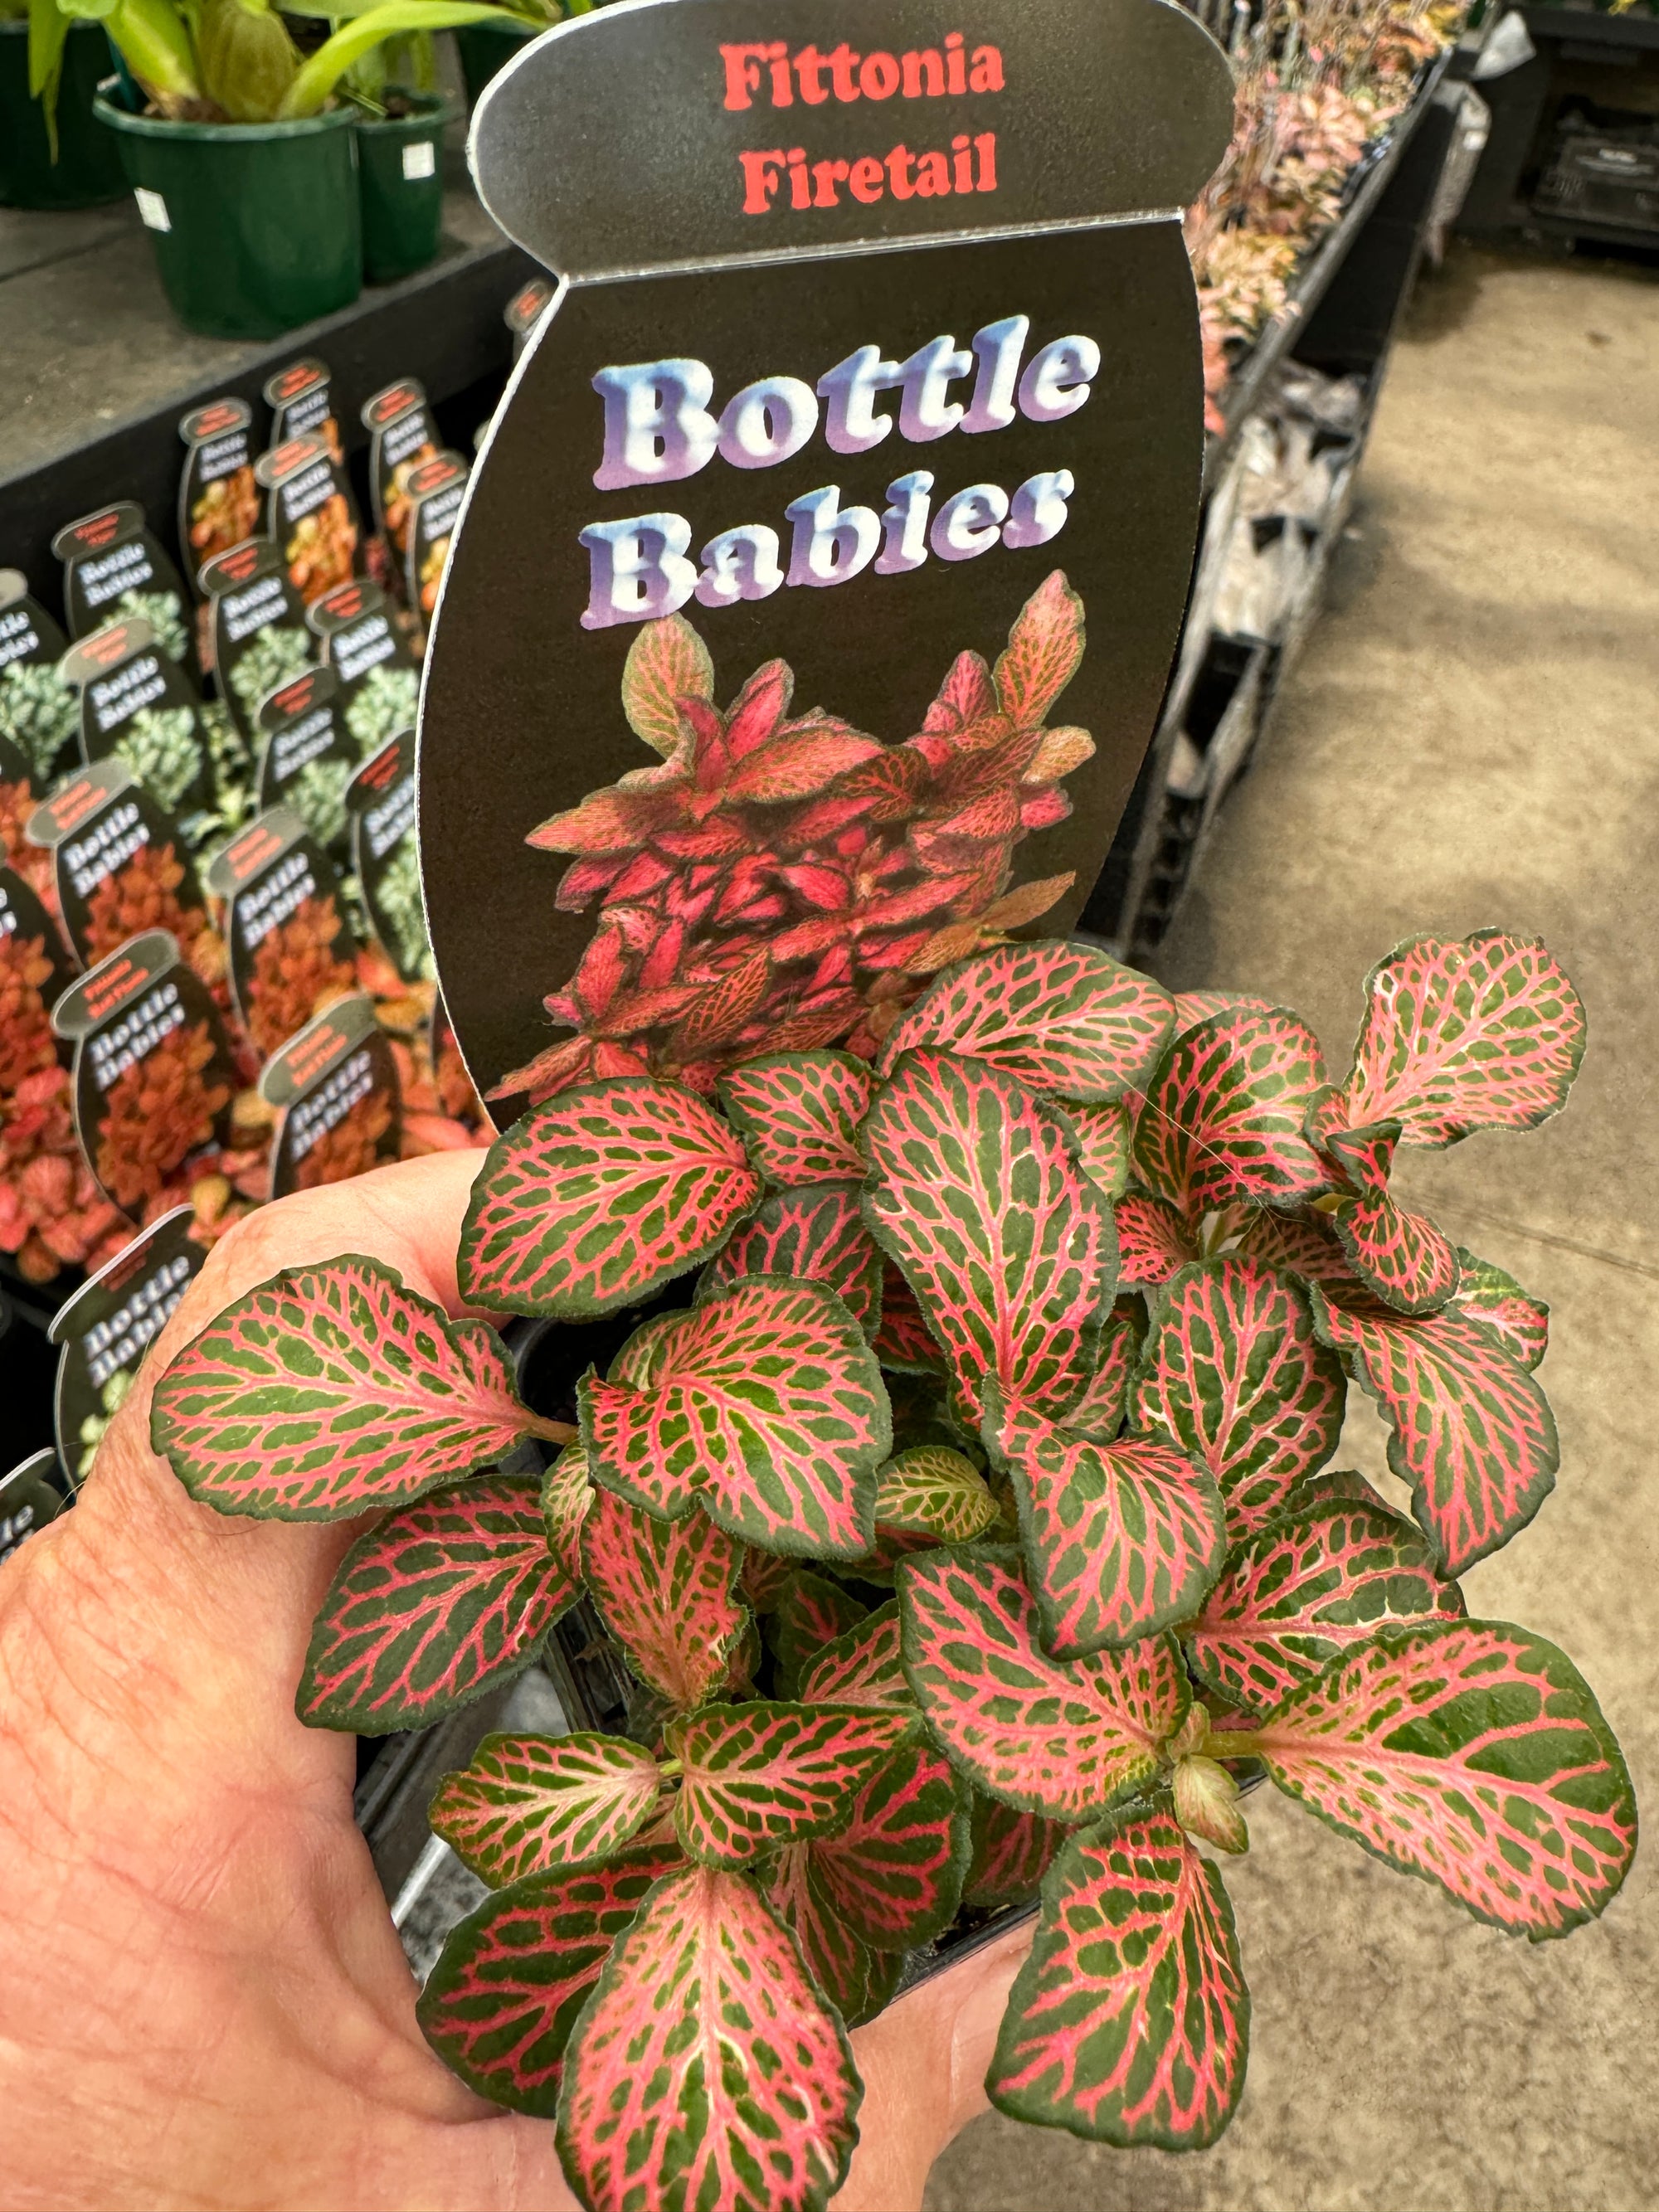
x=383, y=703
x=1005, y=1400
x=39, y=712
x=165, y=613
x=271, y=657
x=161, y=746
x=318, y=796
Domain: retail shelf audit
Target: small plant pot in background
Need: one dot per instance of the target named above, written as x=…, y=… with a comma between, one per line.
x=400, y=183
x=255, y=225
x=88, y=172
x=485, y=48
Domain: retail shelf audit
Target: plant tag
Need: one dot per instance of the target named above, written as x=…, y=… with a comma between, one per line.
x=401, y=435
x=822, y=572
x=154, y=1077
x=114, y=569
x=336, y=1084
x=382, y=801
x=302, y=401
x=420, y=160
x=258, y=627
x=138, y=706
x=39, y=713
x=218, y=499
x=436, y=490
x=373, y=663
x=35, y=970
x=291, y=944
x=307, y=756
x=120, y=864
x=105, y=1329
x=34, y=1493
x=526, y=309
x=310, y=514
x=152, y=209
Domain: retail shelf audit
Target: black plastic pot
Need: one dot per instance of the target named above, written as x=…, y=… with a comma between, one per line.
x=88, y=172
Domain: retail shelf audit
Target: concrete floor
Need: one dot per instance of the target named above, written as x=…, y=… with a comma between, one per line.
x=1471, y=739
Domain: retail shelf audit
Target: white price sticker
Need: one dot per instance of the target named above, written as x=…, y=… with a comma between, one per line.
x=152, y=208
x=420, y=160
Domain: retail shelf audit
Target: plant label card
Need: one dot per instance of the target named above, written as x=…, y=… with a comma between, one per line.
x=307, y=755
x=301, y=400
x=257, y=626
x=105, y=1329
x=373, y=663
x=154, y=1076
x=35, y=970
x=401, y=435
x=33, y=1494
x=39, y=713
x=290, y=941
x=382, y=801
x=120, y=865
x=526, y=309
x=336, y=1087
x=219, y=501
x=436, y=490
x=309, y=514
x=114, y=569
x=815, y=594
x=138, y=706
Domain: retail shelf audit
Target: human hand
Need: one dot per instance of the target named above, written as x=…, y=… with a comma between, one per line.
x=202, y=2000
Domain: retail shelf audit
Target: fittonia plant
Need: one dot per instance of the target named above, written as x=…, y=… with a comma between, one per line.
x=1045, y=1323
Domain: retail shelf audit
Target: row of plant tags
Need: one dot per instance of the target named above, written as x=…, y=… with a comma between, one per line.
x=211, y=920
x=1006, y=1400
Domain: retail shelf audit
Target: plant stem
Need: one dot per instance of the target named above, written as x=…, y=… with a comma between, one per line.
x=1232, y=1743
x=550, y=1432
x=668, y=1769
x=155, y=46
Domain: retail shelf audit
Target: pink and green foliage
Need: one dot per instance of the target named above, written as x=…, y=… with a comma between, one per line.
x=529, y=1803
x=705, y=2060
x=1304, y=1588
x=1027, y=1293
x=1130, y=2020
x=607, y=1192
x=332, y=1391
x=764, y=1404
x=443, y=1601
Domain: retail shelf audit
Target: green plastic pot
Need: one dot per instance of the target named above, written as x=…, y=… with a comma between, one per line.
x=88, y=172
x=400, y=185
x=255, y=225
x=485, y=48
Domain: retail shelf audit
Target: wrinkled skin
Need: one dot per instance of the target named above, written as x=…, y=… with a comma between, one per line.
x=203, y=2001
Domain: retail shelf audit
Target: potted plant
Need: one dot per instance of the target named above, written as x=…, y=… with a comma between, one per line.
x=242, y=159
x=53, y=153
x=971, y=1535
x=486, y=48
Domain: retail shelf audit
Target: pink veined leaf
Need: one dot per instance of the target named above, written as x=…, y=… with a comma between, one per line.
x=1233, y=1374
x=800, y=1113
x=1302, y=1244
x=1495, y=1300
x=1153, y=1240
x=1061, y=1018
x=1129, y=2023
x=1472, y=1752
x=1401, y=1255
x=863, y=1667
x=665, y=1590
x=596, y=1198
x=667, y=662
x=1104, y=1135
x=815, y=1234
x=764, y=1404
x=904, y=1342
x=1333, y=1486
x=1120, y=1540
x=1008, y=1246
x=858, y=1980
x=1062, y=1737
x=1098, y=1413
x=331, y=1391
x=812, y=1612
x=965, y=696
x=1224, y=1111
x=528, y=1803
x=1192, y=1007
x=499, y=2006
x=765, y=1578
x=932, y=1492
x=704, y=2072
x=757, y=1777
x=894, y=1874
x=1012, y=1851
x=1470, y=1430
x=1484, y=1034
x=567, y=1494
x=801, y=761
x=1044, y=652
x=440, y=1604
x=1305, y=1588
